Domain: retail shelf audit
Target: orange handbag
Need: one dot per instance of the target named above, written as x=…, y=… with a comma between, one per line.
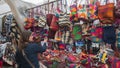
x=106, y=12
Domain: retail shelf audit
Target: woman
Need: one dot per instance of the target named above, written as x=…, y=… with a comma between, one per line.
x=31, y=51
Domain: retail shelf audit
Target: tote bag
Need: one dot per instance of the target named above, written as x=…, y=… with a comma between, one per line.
x=106, y=11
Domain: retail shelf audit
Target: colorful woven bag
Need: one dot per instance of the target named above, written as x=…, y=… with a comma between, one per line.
x=77, y=32
x=54, y=26
x=106, y=11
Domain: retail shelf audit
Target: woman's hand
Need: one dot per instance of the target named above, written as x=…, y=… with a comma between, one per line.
x=45, y=39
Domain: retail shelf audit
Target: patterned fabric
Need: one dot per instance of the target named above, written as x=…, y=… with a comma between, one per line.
x=96, y=34
x=8, y=22
x=65, y=37
x=2, y=49
x=64, y=20
x=118, y=40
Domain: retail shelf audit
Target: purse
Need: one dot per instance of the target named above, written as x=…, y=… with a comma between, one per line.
x=25, y=56
x=54, y=26
x=49, y=18
x=106, y=12
x=117, y=9
x=92, y=13
x=64, y=20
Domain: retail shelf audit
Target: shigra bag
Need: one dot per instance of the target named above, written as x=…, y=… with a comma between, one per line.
x=118, y=39
x=96, y=34
x=64, y=20
x=82, y=12
x=49, y=18
x=42, y=22
x=109, y=34
x=117, y=9
x=77, y=32
x=29, y=23
x=73, y=11
x=65, y=36
x=92, y=13
x=51, y=32
x=117, y=13
x=106, y=11
x=54, y=26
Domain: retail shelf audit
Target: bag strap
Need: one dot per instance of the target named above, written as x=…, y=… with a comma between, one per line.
x=25, y=56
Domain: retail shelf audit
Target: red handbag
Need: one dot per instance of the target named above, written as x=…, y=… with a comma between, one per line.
x=54, y=26
x=49, y=18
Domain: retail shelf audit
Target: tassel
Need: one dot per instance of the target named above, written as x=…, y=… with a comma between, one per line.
x=104, y=57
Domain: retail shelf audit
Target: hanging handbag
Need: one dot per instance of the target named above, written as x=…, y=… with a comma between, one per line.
x=54, y=26
x=64, y=20
x=82, y=12
x=42, y=22
x=106, y=12
x=65, y=37
x=29, y=23
x=117, y=13
x=25, y=56
x=49, y=18
x=92, y=9
x=117, y=9
x=77, y=32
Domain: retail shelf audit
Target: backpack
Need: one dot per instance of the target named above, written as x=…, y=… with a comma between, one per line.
x=109, y=34
x=77, y=32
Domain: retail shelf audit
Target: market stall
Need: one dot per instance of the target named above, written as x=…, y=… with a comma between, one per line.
x=81, y=35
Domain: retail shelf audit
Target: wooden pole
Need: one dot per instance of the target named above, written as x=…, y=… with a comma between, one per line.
x=48, y=7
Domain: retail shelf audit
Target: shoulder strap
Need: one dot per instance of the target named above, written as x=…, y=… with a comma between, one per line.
x=23, y=52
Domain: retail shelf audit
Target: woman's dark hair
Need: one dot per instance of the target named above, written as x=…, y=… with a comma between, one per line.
x=24, y=40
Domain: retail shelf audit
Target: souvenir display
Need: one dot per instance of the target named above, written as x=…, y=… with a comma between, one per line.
x=82, y=34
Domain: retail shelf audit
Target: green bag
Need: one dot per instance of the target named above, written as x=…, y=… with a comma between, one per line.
x=77, y=32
